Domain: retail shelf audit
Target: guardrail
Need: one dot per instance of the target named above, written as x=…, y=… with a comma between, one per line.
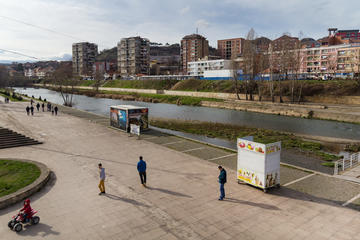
x=348, y=161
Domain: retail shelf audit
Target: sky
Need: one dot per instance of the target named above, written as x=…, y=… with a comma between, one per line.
x=46, y=29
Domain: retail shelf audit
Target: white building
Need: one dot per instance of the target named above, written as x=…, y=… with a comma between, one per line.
x=199, y=68
x=29, y=72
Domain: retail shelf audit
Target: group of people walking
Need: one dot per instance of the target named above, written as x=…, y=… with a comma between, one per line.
x=50, y=108
x=141, y=168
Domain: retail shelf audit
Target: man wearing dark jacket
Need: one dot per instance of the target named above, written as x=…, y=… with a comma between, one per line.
x=141, y=167
x=222, y=181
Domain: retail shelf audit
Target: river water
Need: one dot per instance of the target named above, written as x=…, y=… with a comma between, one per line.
x=275, y=122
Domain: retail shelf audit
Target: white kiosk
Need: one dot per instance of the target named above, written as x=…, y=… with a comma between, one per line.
x=258, y=164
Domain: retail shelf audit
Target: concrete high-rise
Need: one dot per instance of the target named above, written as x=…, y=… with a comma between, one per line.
x=83, y=58
x=231, y=48
x=134, y=56
x=193, y=48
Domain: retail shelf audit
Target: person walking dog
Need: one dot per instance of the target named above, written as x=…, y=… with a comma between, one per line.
x=141, y=167
x=102, y=179
x=222, y=181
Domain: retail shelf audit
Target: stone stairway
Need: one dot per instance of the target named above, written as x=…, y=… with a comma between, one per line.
x=9, y=138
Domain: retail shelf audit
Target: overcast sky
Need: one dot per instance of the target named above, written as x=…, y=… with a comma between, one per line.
x=105, y=22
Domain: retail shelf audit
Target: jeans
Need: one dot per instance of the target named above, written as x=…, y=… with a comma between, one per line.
x=142, y=177
x=222, y=190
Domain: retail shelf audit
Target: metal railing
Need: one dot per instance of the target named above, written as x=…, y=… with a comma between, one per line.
x=348, y=161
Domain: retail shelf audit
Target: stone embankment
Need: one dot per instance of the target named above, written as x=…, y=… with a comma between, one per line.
x=329, y=112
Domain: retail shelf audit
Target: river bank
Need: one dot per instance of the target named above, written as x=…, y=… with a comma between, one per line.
x=322, y=130
x=318, y=150
x=335, y=112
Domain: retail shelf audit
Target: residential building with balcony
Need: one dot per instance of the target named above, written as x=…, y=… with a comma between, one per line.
x=133, y=56
x=193, y=47
x=83, y=58
x=231, y=48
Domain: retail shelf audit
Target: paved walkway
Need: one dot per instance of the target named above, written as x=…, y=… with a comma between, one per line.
x=180, y=203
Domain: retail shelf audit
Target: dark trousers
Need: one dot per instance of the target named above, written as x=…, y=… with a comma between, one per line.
x=142, y=177
x=222, y=190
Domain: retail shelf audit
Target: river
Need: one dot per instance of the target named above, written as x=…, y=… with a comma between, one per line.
x=275, y=122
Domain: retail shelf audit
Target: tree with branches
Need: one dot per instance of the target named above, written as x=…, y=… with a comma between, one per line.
x=63, y=79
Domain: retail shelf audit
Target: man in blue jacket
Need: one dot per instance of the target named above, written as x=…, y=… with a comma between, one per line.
x=222, y=181
x=141, y=167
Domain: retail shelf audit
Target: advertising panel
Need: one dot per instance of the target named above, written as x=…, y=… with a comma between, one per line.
x=122, y=119
x=258, y=164
x=139, y=117
x=114, y=121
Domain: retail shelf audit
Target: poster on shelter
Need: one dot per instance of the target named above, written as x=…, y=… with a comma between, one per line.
x=139, y=117
x=122, y=119
x=251, y=177
x=114, y=121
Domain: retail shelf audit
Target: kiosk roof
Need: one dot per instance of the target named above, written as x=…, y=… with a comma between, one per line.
x=127, y=107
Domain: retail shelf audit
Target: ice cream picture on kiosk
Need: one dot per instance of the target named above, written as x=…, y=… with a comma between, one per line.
x=258, y=164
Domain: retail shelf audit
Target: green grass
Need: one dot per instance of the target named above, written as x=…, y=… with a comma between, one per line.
x=18, y=97
x=161, y=98
x=87, y=83
x=232, y=132
x=328, y=164
x=142, y=84
x=15, y=175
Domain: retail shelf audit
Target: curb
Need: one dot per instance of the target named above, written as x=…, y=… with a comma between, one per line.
x=27, y=191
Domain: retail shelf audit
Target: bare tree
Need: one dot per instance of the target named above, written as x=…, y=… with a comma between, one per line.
x=4, y=77
x=271, y=58
x=65, y=82
x=98, y=79
x=262, y=63
x=249, y=64
x=235, y=67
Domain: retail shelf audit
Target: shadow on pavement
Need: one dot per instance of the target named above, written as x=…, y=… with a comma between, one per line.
x=127, y=200
x=41, y=230
x=294, y=194
x=177, y=194
x=253, y=204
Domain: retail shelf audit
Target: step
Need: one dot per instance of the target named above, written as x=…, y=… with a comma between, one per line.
x=9, y=139
x=18, y=145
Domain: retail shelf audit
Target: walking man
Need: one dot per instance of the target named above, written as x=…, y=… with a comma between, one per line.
x=32, y=110
x=56, y=110
x=102, y=179
x=222, y=181
x=43, y=106
x=27, y=110
x=38, y=106
x=141, y=167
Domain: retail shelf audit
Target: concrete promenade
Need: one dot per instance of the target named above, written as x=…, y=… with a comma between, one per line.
x=180, y=203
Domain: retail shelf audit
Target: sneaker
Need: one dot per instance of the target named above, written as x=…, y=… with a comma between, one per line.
x=100, y=193
x=220, y=199
x=103, y=192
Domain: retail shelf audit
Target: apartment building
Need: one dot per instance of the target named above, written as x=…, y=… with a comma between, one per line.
x=285, y=42
x=199, y=68
x=348, y=58
x=348, y=34
x=83, y=58
x=338, y=59
x=134, y=56
x=193, y=47
x=231, y=48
